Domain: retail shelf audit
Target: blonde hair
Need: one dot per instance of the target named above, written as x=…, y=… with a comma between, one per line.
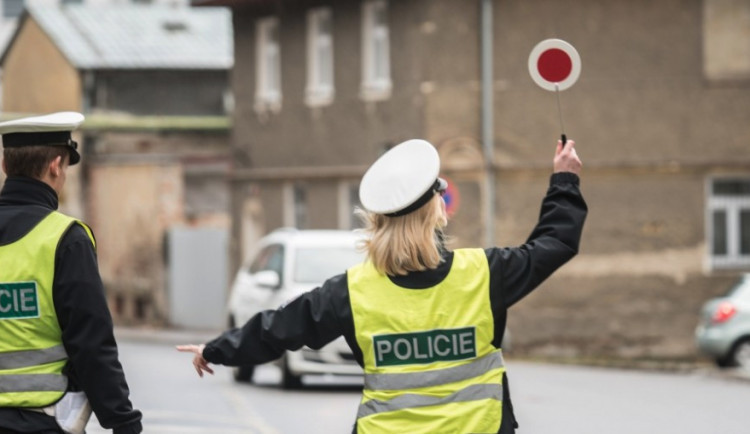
x=412, y=242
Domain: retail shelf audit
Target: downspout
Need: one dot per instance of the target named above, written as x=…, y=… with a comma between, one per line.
x=487, y=120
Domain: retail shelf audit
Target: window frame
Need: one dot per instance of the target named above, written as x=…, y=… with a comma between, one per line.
x=732, y=206
x=726, y=58
x=376, y=84
x=320, y=90
x=268, y=89
x=295, y=212
x=348, y=201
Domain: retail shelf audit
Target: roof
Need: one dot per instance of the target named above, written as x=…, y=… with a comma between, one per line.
x=135, y=36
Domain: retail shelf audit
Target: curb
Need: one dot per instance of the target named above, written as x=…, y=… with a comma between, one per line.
x=164, y=336
x=675, y=367
x=737, y=374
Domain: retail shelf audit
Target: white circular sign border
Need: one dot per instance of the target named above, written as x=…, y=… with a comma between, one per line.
x=575, y=60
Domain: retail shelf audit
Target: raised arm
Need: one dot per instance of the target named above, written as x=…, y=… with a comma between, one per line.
x=516, y=271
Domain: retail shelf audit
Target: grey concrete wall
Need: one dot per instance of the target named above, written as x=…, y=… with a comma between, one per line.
x=642, y=95
x=322, y=205
x=349, y=131
x=272, y=196
x=651, y=126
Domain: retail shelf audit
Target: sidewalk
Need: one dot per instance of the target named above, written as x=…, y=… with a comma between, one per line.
x=167, y=336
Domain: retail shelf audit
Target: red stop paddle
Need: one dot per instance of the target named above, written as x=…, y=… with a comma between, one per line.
x=555, y=65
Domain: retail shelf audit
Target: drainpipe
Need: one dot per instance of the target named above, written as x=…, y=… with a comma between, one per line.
x=487, y=121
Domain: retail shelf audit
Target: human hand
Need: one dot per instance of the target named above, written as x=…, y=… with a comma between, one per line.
x=199, y=362
x=566, y=159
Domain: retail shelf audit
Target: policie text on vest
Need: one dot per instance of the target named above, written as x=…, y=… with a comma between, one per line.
x=425, y=347
x=18, y=300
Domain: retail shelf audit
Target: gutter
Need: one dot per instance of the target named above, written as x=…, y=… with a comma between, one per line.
x=487, y=119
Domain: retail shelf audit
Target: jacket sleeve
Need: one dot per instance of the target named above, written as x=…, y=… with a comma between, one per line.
x=313, y=319
x=87, y=334
x=516, y=271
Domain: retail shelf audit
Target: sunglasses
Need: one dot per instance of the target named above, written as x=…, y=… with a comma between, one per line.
x=440, y=186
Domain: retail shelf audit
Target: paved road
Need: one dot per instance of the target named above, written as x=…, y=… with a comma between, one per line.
x=581, y=400
x=549, y=399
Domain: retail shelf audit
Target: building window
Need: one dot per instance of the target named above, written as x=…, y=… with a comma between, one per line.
x=319, y=89
x=12, y=8
x=726, y=54
x=205, y=190
x=729, y=223
x=268, y=65
x=294, y=205
x=300, y=207
x=348, y=201
x=376, y=63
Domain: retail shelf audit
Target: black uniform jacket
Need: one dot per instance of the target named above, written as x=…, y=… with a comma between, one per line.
x=323, y=314
x=82, y=311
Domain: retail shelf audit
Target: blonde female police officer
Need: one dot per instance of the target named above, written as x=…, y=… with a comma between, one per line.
x=56, y=335
x=425, y=323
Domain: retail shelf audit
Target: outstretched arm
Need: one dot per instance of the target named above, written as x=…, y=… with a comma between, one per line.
x=311, y=319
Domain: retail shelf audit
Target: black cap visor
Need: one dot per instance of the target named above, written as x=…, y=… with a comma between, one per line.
x=438, y=187
x=54, y=138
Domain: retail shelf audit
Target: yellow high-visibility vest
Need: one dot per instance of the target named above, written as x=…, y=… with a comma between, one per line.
x=32, y=355
x=429, y=363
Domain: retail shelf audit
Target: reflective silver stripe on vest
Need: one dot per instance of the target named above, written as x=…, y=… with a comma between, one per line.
x=33, y=383
x=412, y=400
x=23, y=359
x=411, y=380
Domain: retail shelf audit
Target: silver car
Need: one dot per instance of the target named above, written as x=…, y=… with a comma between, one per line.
x=724, y=330
x=287, y=263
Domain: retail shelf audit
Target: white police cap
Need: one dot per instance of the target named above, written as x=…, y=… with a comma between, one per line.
x=402, y=180
x=48, y=130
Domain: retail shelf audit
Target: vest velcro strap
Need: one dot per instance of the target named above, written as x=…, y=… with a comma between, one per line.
x=33, y=383
x=23, y=359
x=415, y=380
x=412, y=400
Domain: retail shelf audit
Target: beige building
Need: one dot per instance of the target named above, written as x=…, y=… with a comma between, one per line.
x=152, y=81
x=659, y=115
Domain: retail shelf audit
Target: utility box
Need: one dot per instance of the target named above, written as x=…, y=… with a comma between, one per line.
x=197, y=277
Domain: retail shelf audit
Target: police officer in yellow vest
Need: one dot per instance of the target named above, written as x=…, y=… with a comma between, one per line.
x=425, y=323
x=56, y=339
